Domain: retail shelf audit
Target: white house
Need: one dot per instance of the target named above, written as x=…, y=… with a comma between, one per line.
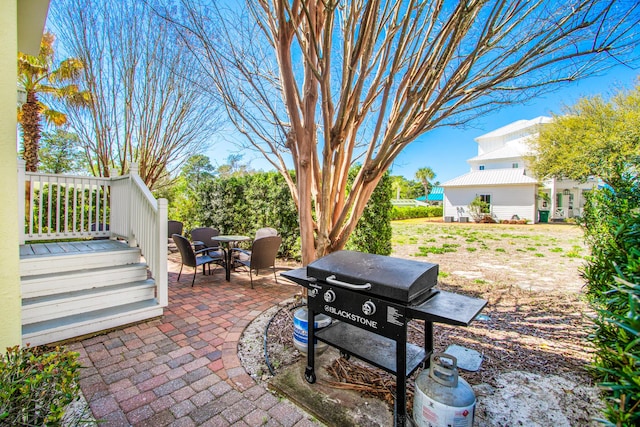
x=499, y=176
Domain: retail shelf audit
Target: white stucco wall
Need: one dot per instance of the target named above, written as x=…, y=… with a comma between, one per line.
x=506, y=200
x=10, y=322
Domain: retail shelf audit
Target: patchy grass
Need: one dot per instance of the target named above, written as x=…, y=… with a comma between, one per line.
x=446, y=247
x=495, y=251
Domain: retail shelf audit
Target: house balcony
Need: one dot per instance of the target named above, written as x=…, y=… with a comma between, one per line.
x=93, y=255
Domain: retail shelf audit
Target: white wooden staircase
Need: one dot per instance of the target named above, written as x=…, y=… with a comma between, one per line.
x=102, y=263
x=71, y=289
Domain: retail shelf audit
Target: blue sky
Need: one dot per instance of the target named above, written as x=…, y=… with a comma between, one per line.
x=446, y=150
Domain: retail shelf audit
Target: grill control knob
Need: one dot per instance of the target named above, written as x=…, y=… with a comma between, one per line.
x=329, y=296
x=368, y=308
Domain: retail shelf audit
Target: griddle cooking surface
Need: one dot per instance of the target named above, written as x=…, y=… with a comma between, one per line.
x=396, y=279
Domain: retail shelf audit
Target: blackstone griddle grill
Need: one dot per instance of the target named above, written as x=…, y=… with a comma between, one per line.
x=372, y=297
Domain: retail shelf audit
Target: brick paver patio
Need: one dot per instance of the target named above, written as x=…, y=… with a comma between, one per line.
x=183, y=369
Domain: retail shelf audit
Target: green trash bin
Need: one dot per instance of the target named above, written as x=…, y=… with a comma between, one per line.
x=543, y=216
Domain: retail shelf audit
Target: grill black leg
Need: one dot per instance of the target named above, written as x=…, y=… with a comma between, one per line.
x=428, y=342
x=309, y=372
x=400, y=404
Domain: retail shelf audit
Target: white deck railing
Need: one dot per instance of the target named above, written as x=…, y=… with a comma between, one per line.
x=60, y=207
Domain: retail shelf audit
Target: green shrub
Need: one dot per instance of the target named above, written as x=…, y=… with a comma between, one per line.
x=611, y=223
x=617, y=339
x=373, y=232
x=409, y=212
x=479, y=210
x=37, y=385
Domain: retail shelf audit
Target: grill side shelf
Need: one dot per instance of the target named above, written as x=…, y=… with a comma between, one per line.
x=298, y=276
x=448, y=308
x=369, y=347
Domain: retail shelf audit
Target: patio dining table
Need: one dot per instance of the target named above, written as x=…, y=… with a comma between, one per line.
x=227, y=240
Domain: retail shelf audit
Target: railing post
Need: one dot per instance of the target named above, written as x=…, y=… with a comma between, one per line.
x=133, y=170
x=21, y=201
x=162, y=279
x=113, y=173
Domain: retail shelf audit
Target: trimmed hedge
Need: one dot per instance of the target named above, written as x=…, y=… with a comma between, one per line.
x=242, y=204
x=409, y=212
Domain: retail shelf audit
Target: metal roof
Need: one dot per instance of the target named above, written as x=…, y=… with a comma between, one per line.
x=491, y=177
x=435, y=195
x=515, y=127
x=506, y=152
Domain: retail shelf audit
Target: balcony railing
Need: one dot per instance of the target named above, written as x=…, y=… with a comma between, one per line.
x=62, y=207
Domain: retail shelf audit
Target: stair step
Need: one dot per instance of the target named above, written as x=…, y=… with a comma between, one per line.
x=77, y=325
x=50, y=284
x=48, y=307
x=100, y=255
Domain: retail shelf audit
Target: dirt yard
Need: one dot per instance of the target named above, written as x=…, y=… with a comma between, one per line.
x=533, y=332
x=541, y=257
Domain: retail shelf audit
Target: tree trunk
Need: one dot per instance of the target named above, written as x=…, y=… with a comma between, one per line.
x=31, y=131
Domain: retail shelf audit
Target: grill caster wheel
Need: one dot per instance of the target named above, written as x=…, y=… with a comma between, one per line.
x=309, y=375
x=345, y=356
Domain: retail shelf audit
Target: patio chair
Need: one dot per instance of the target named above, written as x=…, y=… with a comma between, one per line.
x=202, y=238
x=262, y=255
x=193, y=258
x=174, y=227
x=266, y=231
x=261, y=232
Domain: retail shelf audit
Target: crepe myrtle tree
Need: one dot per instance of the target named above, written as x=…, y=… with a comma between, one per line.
x=325, y=84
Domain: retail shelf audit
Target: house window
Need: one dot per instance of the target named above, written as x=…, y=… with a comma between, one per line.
x=514, y=165
x=486, y=198
x=481, y=167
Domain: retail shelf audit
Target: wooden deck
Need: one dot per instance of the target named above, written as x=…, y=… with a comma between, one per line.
x=76, y=248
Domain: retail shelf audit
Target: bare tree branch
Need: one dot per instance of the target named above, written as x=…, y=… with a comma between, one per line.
x=363, y=79
x=144, y=107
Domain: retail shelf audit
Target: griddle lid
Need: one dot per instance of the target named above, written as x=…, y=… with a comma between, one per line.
x=397, y=279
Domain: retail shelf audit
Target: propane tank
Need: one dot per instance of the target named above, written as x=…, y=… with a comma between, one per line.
x=300, y=339
x=442, y=399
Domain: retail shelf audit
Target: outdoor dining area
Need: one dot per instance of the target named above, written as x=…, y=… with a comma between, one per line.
x=207, y=246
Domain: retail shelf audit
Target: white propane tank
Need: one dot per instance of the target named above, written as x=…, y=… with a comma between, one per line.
x=300, y=338
x=442, y=399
